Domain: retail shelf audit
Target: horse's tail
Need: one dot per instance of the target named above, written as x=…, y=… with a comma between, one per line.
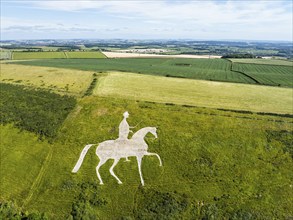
x=81, y=157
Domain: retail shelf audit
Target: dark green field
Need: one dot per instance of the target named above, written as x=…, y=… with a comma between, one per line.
x=275, y=75
x=206, y=69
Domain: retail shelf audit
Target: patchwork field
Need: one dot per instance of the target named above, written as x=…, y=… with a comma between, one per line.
x=217, y=164
x=206, y=69
x=196, y=92
x=267, y=74
x=56, y=55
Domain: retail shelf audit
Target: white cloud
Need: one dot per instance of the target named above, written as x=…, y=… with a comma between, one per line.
x=237, y=19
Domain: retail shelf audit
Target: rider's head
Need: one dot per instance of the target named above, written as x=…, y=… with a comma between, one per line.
x=126, y=114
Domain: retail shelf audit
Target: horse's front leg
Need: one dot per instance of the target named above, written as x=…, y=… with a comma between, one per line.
x=139, y=158
x=154, y=154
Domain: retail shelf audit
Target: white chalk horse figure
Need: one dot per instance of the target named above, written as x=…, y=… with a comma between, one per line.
x=117, y=149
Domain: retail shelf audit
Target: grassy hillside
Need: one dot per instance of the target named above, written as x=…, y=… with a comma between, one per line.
x=23, y=157
x=73, y=82
x=214, y=163
x=56, y=55
x=206, y=69
x=196, y=92
x=217, y=164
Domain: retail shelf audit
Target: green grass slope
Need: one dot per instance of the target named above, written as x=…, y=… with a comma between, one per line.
x=23, y=157
x=215, y=163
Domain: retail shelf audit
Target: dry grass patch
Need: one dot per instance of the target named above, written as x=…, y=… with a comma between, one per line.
x=67, y=81
x=196, y=92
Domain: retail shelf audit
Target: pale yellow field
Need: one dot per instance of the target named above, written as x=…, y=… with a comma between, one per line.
x=74, y=82
x=196, y=92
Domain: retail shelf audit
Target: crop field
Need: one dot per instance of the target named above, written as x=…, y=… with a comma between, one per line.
x=56, y=55
x=85, y=55
x=206, y=69
x=73, y=82
x=38, y=55
x=196, y=92
x=267, y=74
x=264, y=61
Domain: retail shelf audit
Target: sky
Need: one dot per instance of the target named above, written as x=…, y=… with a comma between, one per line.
x=152, y=19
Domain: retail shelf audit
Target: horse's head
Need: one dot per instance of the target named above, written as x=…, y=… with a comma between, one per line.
x=153, y=130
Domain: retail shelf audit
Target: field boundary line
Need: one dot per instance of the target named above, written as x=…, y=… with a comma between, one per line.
x=65, y=54
x=242, y=73
x=38, y=180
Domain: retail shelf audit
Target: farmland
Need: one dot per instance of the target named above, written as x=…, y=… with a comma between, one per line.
x=22, y=55
x=58, y=80
x=196, y=92
x=221, y=160
x=206, y=69
x=85, y=55
x=267, y=74
x=277, y=62
x=210, y=69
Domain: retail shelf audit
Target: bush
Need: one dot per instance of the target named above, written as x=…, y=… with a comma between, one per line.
x=38, y=111
x=8, y=210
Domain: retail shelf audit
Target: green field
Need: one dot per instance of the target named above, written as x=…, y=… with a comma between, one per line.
x=280, y=62
x=233, y=165
x=206, y=69
x=56, y=55
x=196, y=92
x=84, y=55
x=209, y=69
x=221, y=163
x=267, y=74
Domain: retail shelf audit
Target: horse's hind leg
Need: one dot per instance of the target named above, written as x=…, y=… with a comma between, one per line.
x=102, y=161
x=112, y=172
x=139, y=170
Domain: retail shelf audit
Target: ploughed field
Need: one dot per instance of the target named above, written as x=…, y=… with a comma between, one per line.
x=206, y=69
x=226, y=148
